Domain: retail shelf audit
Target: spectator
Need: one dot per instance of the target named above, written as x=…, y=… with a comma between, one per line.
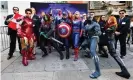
x=130, y=30
x=121, y=32
x=36, y=24
x=12, y=34
x=103, y=39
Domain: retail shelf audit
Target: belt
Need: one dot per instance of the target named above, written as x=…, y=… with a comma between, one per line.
x=77, y=30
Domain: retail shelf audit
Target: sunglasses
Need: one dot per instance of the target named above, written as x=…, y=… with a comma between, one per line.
x=15, y=9
x=121, y=13
x=28, y=13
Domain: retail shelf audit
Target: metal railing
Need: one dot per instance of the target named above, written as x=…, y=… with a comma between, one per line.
x=4, y=38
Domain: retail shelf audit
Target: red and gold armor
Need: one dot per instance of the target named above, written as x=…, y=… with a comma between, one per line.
x=27, y=38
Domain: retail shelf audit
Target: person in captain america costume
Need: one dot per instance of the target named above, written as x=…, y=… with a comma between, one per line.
x=77, y=29
x=65, y=19
x=27, y=37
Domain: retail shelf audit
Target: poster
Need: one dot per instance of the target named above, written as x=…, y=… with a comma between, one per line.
x=81, y=7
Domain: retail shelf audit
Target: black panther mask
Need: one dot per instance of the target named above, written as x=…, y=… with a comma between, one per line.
x=89, y=20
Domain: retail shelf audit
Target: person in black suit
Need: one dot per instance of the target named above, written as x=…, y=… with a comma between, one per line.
x=121, y=31
x=37, y=24
x=13, y=34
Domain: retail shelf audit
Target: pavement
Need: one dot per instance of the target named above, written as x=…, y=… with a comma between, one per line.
x=52, y=68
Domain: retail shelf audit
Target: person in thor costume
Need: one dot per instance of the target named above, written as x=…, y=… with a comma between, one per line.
x=26, y=34
x=77, y=29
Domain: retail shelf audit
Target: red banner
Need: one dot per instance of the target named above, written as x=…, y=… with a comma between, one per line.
x=13, y=22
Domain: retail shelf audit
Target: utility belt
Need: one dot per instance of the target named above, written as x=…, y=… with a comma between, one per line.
x=76, y=30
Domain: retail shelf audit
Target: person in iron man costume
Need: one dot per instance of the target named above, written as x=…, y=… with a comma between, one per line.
x=65, y=40
x=77, y=29
x=27, y=38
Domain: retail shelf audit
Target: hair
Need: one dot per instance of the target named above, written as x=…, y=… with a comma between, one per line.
x=28, y=9
x=122, y=10
x=114, y=21
x=100, y=19
x=15, y=7
x=75, y=14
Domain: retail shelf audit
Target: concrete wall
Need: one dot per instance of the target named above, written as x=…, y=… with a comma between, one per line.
x=21, y=4
x=3, y=12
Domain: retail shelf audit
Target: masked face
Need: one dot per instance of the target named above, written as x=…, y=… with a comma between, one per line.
x=89, y=20
x=92, y=15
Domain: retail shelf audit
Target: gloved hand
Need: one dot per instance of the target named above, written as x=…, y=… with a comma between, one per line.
x=45, y=36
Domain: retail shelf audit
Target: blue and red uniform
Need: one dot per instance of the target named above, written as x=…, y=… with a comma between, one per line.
x=77, y=28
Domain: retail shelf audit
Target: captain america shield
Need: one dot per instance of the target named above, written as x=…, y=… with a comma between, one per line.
x=64, y=30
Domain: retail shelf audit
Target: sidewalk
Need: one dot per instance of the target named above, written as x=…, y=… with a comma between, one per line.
x=51, y=68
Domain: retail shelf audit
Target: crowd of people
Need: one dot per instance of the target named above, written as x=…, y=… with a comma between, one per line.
x=84, y=32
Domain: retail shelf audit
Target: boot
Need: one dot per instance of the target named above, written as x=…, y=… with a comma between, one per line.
x=97, y=72
x=24, y=58
x=30, y=54
x=44, y=52
x=67, y=53
x=58, y=50
x=76, y=51
x=49, y=47
x=124, y=73
x=50, y=50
